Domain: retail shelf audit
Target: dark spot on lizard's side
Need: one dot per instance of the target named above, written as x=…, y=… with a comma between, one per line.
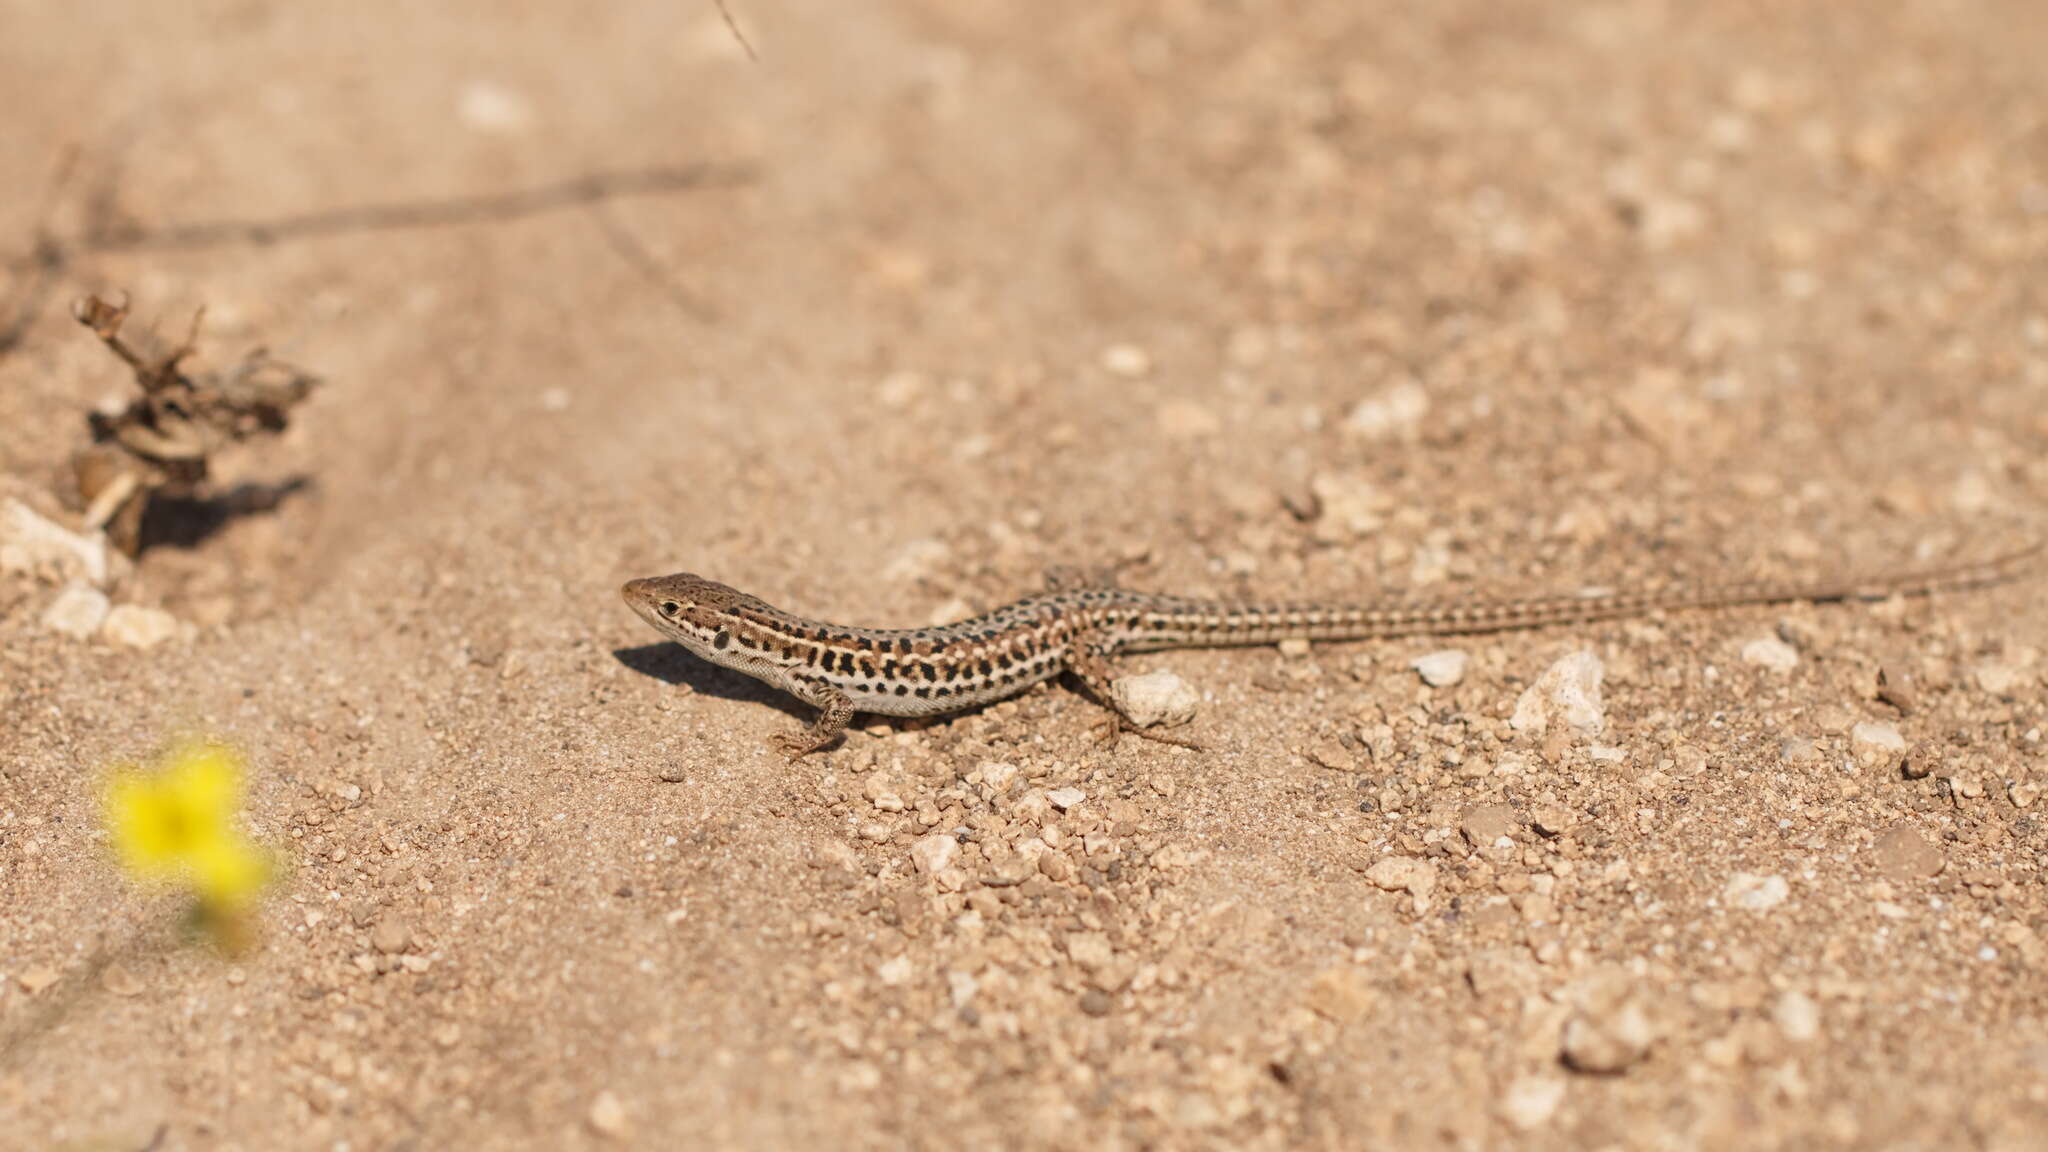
x=926, y=671
x=902, y=689
x=987, y=669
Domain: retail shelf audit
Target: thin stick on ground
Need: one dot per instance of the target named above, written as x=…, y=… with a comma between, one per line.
x=736, y=33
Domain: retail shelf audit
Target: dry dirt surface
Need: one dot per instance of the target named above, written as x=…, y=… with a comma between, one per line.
x=1325, y=299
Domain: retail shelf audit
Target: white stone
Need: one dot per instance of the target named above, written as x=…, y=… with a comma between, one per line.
x=1998, y=679
x=1126, y=360
x=76, y=612
x=1531, y=1101
x=139, y=627
x=1753, y=893
x=1405, y=874
x=1394, y=411
x=1155, y=698
x=27, y=541
x=1876, y=737
x=1568, y=690
x=494, y=108
x=1091, y=950
x=1772, y=653
x=934, y=853
x=607, y=1116
x=1065, y=798
x=1441, y=669
x=1798, y=1016
x=894, y=973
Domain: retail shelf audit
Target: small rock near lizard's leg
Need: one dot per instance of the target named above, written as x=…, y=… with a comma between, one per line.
x=1090, y=663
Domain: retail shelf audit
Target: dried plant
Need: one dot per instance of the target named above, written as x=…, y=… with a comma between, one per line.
x=164, y=440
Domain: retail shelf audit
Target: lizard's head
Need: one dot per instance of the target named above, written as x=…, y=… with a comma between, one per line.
x=697, y=613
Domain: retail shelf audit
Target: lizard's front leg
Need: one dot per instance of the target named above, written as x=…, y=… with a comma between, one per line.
x=835, y=710
x=1089, y=660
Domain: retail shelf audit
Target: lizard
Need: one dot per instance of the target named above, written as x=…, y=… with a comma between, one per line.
x=1083, y=621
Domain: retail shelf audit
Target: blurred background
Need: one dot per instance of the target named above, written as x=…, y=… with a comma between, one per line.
x=878, y=320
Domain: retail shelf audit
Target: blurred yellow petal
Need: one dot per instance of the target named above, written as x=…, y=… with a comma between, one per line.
x=178, y=824
x=229, y=872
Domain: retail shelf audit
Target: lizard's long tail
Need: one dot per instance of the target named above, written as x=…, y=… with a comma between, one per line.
x=1174, y=623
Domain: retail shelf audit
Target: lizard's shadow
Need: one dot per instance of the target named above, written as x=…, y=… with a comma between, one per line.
x=673, y=664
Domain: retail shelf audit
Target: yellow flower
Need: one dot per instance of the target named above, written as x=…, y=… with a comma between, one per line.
x=176, y=826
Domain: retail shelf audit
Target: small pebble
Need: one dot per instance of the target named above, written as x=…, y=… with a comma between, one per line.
x=1798, y=1017
x=1772, y=653
x=1091, y=950
x=1296, y=647
x=608, y=1116
x=1155, y=698
x=1921, y=762
x=494, y=108
x=1999, y=679
x=1798, y=751
x=1330, y=752
x=1065, y=798
x=1896, y=689
x=1552, y=821
x=934, y=853
x=1485, y=825
x=2022, y=793
x=29, y=541
x=35, y=980
x=1096, y=1002
x=1126, y=360
x=1753, y=893
x=1611, y=1029
x=1531, y=1101
x=1569, y=691
x=1876, y=739
x=1441, y=669
x=1342, y=994
x=391, y=935
x=1405, y=874
x=1396, y=411
x=138, y=627
x=77, y=612
x=119, y=979
x=1901, y=853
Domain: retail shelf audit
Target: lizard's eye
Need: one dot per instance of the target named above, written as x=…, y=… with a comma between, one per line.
x=670, y=607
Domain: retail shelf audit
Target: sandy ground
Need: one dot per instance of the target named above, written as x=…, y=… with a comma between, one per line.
x=1326, y=299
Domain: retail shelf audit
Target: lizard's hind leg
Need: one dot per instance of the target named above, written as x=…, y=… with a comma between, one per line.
x=1090, y=664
